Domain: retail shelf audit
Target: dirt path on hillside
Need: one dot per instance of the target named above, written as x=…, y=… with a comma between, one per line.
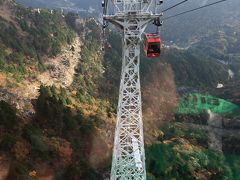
x=60, y=72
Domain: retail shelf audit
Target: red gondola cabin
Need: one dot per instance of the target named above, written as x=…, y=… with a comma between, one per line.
x=152, y=45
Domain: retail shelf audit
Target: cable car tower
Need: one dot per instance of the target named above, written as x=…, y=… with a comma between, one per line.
x=131, y=17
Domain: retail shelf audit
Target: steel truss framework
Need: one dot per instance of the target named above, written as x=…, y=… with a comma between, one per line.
x=128, y=162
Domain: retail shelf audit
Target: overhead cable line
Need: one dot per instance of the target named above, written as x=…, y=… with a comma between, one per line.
x=193, y=9
x=175, y=5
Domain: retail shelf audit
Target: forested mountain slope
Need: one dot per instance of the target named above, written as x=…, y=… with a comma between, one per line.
x=190, y=27
x=53, y=118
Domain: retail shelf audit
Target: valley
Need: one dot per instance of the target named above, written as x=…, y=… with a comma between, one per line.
x=59, y=92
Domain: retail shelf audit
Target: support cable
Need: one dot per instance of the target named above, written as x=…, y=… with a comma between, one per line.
x=201, y=7
x=175, y=5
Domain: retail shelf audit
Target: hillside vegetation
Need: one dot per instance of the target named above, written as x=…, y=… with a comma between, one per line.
x=181, y=153
x=65, y=131
x=56, y=134
x=27, y=37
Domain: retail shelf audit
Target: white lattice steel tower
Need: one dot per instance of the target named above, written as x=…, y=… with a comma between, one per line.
x=132, y=17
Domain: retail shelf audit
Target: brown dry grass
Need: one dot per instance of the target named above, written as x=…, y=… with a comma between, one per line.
x=4, y=166
x=159, y=99
x=100, y=151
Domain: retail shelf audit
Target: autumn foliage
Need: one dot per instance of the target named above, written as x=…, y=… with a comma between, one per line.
x=61, y=148
x=20, y=150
